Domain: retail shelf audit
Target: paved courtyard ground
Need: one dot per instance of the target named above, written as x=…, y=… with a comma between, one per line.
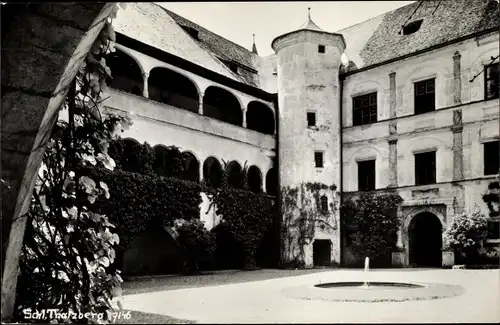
x=266, y=301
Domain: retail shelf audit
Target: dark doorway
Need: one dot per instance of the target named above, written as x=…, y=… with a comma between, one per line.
x=228, y=252
x=153, y=252
x=322, y=252
x=425, y=241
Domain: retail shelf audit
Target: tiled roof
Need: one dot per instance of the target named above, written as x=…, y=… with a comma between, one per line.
x=370, y=42
x=151, y=24
x=377, y=40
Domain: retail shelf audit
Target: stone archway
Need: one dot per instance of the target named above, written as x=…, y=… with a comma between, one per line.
x=425, y=240
x=43, y=47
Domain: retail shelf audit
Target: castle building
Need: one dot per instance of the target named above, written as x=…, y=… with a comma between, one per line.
x=414, y=109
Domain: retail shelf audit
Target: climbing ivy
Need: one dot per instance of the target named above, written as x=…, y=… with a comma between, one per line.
x=373, y=223
x=67, y=247
x=302, y=215
x=247, y=216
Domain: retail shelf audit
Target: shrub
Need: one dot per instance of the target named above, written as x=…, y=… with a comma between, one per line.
x=374, y=224
x=466, y=234
x=141, y=201
x=197, y=243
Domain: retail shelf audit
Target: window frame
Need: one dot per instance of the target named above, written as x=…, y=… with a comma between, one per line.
x=426, y=180
x=487, y=166
x=366, y=184
x=324, y=203
x=487, y=78
x=321, y=49
x=315, y=119
x=422, y=103
x=318, y=152
x=366, y=105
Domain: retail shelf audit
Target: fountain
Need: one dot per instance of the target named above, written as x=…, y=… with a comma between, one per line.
x=366, y=284
x=371, y=291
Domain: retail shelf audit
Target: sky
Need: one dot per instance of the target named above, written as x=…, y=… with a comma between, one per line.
x=237, y=21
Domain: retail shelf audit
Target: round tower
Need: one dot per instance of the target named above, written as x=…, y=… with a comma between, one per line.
x=309, y=143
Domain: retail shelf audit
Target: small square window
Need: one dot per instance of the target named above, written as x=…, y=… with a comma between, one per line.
x=366, y=175
x=491, y=81
x=321, y=49
x=425, y=96
x=311, y=119
x=425, y=168
x=491, y=157
x=324, y=204
x=318, y=159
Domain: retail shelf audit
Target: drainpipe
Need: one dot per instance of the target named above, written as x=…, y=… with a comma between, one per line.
x=278, y=190
x=340, y=186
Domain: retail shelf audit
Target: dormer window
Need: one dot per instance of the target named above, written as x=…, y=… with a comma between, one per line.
x=412, y=27
x=191, y=31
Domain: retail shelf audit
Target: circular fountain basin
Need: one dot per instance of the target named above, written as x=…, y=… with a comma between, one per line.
x=374, y=292
x=368, y=286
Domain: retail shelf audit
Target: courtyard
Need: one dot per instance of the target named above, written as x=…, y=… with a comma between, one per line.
x=232, y=297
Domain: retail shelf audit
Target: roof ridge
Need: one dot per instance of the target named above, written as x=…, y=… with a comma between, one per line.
x=375, y=17
x=171, y=12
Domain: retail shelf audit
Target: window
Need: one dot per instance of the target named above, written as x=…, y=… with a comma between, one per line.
x=425, y=96
x=364, y=109
x=412, y=27
x=321, y=49
x=491, y=83
x=318, y=159
x=311, y=119
x=366, y=175
x=324, y=204
x=425, y=168
x=493, y=229
x=491, y=157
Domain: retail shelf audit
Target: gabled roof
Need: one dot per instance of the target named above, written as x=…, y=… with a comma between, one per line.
x=377, y=40
x=151, y=24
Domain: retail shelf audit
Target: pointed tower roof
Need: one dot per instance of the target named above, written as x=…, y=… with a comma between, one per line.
x=254, y=48
x=310, y=24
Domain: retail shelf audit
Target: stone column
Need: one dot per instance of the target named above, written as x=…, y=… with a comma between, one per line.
x=37, y=71
x=244, y=110
x=393, y=162
x=145, y=91
x=457, y=81
x=457, y=130
x=201, y=94
x=392, y=95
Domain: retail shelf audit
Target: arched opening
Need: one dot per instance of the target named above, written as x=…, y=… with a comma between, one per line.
x=260, y=118
x=235, y=175
x=254, y=179
x=155, y=251
x=220, y=104
x=191, y=167
x=125, y=152
x=171, y=88
x=212, y=172
x=322, y=252
x=272, y=182
x=126, y=73
x=425, y=240
x=228, y=251
x=168, y=161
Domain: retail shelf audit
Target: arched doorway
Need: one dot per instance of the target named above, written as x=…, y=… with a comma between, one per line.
x=254, y=179
x=228, y=251
x=154, y=251
x=425, y=240
x=322, y=252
